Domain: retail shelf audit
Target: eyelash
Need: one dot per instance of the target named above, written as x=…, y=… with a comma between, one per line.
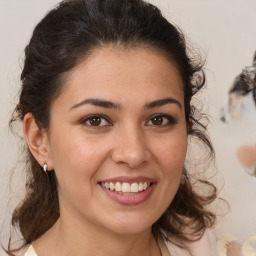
x=90, y=118
x=170, y=120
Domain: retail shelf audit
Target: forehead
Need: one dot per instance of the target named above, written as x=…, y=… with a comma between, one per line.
x=119, y=73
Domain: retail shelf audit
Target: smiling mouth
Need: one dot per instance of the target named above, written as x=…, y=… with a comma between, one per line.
x=126, y=188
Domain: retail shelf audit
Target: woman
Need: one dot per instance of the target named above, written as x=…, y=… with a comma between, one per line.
x=106, y=110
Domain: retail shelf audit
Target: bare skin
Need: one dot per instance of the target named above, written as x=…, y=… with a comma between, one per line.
x=139, y=134
x=234, y=249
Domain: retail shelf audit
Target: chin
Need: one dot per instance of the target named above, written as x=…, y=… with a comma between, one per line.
x=130, y=225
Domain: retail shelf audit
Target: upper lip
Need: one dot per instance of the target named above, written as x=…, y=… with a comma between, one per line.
x=129, y=179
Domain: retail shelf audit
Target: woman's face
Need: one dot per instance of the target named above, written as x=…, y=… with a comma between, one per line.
x=118, y=139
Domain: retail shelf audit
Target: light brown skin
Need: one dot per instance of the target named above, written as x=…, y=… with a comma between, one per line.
x=82, y=155
x=234, y=249
x=246, y=155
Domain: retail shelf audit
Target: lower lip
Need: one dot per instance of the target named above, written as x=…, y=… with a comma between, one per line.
x=130, y=199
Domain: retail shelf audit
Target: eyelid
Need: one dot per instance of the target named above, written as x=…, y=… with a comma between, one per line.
x=85, y=119
x=170, y=118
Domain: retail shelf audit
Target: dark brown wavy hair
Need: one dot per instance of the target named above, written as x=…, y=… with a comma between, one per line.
x=63, y=38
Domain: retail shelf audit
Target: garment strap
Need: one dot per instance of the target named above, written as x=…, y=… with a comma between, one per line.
x=30, y=251
x=163, y=248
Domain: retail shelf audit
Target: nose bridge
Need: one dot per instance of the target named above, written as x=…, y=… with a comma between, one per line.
x=130, y=146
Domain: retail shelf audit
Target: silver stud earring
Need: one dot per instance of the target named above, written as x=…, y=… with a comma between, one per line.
x=45, y=168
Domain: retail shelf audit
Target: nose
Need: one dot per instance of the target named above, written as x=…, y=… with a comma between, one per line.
x=130, y=148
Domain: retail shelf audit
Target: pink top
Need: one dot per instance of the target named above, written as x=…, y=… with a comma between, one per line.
x=206, y=246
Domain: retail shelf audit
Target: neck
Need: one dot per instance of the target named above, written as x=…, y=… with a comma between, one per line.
x=72, y=238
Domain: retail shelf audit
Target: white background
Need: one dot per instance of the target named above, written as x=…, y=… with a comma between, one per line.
x=225, y=32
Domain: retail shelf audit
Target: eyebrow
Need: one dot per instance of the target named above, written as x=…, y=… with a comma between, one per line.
x=108, y=104
x=97, y=102
x=162, y=102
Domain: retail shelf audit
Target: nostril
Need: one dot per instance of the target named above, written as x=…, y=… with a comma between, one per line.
x=132, y=157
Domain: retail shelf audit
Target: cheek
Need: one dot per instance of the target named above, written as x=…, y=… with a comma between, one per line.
x=171, y=157
x=77, y=158
x=171, y=153
x=76, y=163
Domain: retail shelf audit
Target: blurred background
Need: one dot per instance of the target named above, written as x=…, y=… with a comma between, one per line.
x=224, y=32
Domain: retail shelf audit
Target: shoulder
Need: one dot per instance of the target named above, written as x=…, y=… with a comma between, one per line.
x=206, y=245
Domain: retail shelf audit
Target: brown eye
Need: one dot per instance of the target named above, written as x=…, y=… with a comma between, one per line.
x=157, y=120
x=161, y=120
x=96, y=121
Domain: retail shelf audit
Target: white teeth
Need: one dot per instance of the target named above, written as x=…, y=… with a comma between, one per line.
x=118, y=187
x=135, y=187
x=126, y=187
x=111, y=186
x=141, y=187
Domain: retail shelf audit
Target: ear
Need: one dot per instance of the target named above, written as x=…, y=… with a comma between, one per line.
x=37, y=141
